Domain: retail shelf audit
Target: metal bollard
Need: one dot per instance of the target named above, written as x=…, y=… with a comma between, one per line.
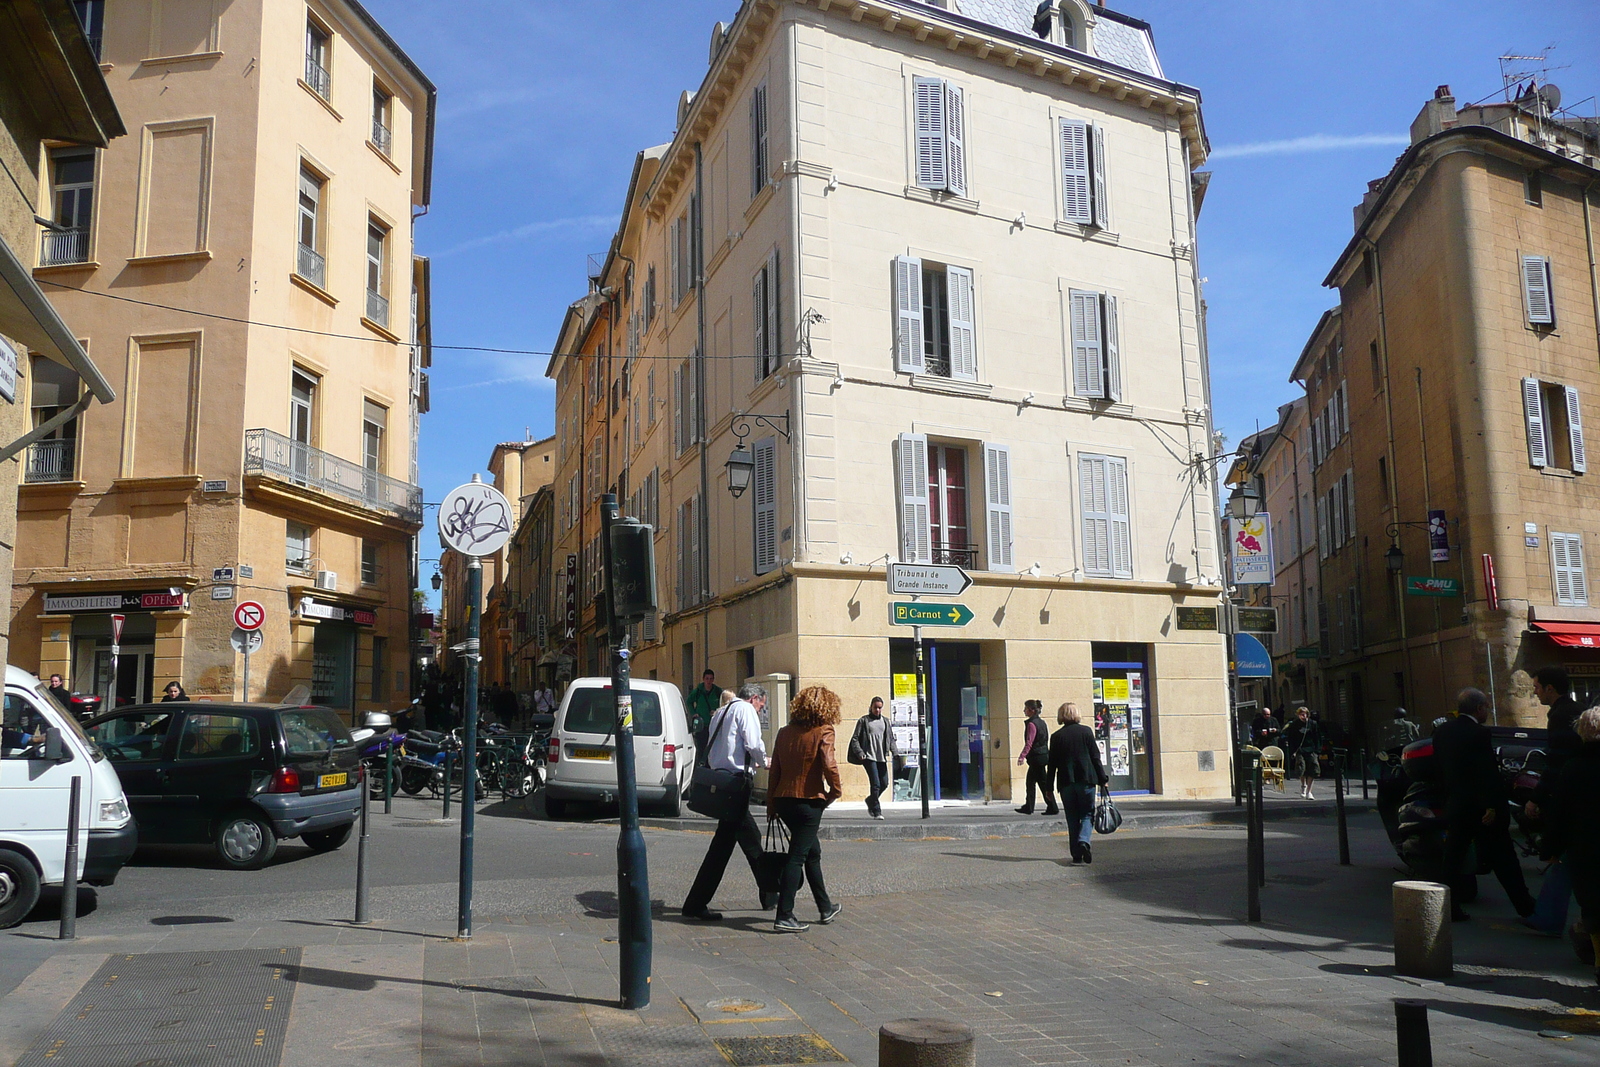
x=1366, y=765
x=1411, y=1033
x=926, y=1043
x=388, y=778
x=1423, y=944
x=1261, y=828
x=1338, y=808
x=447, y=761
x=1252, y=857
x=362, y=917
x=69, y=884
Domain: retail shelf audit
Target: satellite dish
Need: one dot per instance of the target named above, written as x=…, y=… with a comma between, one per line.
x=1551, y=95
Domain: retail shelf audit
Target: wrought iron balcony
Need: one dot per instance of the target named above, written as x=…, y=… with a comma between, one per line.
x=957, y=554
x=382, y=138
x=311, y=266
x=66, y=246
x=318, y=78
x=52, y=460
x=378, y=308
x=274, y=456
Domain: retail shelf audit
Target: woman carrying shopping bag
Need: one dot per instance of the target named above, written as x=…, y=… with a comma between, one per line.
x=802, y=780
x=1076, y=769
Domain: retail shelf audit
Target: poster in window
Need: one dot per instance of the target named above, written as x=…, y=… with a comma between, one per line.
x=1098, y=694
x=963, y=745
x=1135, y=717
x=1116, y=690
x=1102, y=720
x=1105, y=758
x=1138, y=741
x=1119, y=758
x=1135, y=689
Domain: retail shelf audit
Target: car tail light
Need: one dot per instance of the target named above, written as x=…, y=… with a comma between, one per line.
x=284, y=780
x=669, y=757
x=361, y=773
x=553, y=753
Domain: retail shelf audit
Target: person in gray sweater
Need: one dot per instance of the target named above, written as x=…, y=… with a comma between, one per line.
x=872, y=747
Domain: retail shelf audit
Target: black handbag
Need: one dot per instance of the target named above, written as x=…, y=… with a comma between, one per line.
x=774, y=857
x=715, y=793
x=1106, y=816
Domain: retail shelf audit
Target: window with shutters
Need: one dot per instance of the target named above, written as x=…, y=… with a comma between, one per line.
x=680, y=253
x=935, y=319
x=951, y=540
x=911, y=498
x=1084, y=195
x=310, y=263
x=689, y=566
x=685, y=410
x=760, y=164
x=764, y=490
x=650, y=397
x=1104, y=514
x=1537, y=293
x=997, y=495
x=649, y=303
x=939, y=116
x=1554, y=426
x=767, y=323
x=1094, y=329
x=1566, y=566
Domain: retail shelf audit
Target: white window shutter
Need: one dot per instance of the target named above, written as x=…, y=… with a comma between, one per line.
x=758, y=319
x=678, y=440
x=1102, y=205
x=1580, y=583
x=1088, y=366
x=912, y=469
x=758, y=140
x=1316, y=443
x=1113, y=355
x=764, y=485
x=963, y=325
x=955, y=128
x=674, y=267
x=930, y=131
x=1567, y=567
x=1095, y=515
x=997, y=486
x=908, y=314
x=1533, y=410
x=1536, y=290
x=1575, y=431
x=1121, y=516
x=1076, y=199
x=696, y=562
x=1322, y=526
x=774, y=329
x=1349, y=505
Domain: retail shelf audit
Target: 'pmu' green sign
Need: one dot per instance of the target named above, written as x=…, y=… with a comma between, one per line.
x=902, y=613
x=1432, y=587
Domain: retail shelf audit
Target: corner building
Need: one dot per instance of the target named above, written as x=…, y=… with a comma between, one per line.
x=241, y=267
x=937, y=274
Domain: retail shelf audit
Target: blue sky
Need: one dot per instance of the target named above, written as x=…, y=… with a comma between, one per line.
x=542, y=106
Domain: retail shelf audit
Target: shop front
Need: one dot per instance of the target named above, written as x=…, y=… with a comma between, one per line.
x=336, y=647
x=94, y=658
x=1124, y=715
x=958, y=717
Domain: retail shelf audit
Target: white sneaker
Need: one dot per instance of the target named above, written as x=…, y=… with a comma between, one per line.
x=1309, y=796
x=878, y=816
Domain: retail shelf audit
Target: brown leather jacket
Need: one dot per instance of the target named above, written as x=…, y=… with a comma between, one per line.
x=804, y=764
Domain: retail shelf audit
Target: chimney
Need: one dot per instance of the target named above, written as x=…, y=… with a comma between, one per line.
x=1436, y=116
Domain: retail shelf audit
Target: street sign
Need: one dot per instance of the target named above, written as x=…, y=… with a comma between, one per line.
x=116, y=628
x=902, y=613
x=1307, y=652
x=475, y=519
x=247, y=641
x=927, y=579
x=249, y=615
x=1197, y=618
x=222, y=592
x=1255, y=620
x=1418, y=586
x=222, y=574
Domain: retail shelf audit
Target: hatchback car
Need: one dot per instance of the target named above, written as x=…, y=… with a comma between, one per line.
x=239, y=776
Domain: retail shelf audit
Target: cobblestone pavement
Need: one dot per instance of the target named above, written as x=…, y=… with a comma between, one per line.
x=1141, y=958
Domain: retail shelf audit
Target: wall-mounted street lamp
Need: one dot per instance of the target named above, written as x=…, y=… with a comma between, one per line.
x=1245, y=501
x=741, y=463
x=1394, y=559
x=438, y=581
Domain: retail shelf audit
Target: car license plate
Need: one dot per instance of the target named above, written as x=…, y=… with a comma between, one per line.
x=591, y=753
x=332, y=781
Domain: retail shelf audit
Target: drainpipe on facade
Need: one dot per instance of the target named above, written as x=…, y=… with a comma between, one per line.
x=698, y=252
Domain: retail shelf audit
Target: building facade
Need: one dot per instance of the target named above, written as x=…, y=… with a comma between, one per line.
x=242, y=267
x=1285, y=466
x=933, y=276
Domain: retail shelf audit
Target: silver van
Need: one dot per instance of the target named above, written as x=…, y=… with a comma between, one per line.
x=581, y=763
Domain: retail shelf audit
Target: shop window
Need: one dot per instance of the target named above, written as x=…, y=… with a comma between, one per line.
x=1124, y=714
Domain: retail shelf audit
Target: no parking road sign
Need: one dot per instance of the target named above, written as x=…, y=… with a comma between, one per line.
x=249, y=615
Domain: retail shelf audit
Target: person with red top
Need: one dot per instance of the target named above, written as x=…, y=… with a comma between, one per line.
x=1036, y=754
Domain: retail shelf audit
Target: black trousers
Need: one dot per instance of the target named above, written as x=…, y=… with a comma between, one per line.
x=1039, y=778
x=1494, y=850
x=802, y=817
x=741, y=831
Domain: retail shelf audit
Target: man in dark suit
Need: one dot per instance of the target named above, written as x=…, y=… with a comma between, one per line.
x=1553, y=688
x=1476, y=805
x=1076, y=768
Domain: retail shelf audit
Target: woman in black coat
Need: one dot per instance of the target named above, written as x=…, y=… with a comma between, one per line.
x=1574, y=825
x=1076, y=768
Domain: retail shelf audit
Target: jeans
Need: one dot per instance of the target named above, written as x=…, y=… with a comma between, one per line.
x=1039, y=778
x=1550, y=914
x=741, y=831
x=802, y=817
x=1077, y=804
x=877, y=781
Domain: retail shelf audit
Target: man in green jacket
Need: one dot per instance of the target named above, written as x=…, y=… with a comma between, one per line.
x=704, y=699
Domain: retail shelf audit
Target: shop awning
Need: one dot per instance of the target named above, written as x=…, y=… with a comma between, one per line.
x=1571, y=634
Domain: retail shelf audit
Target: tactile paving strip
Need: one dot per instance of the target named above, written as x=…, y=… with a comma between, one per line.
x=658, y=1046
x=176, y=1009
x=772, y=1051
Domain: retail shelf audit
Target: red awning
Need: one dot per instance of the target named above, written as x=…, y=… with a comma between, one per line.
x=1571, y=634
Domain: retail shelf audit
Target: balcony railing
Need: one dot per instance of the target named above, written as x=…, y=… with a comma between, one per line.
x=318, y=78
x=378, y=308
x=310, y=265
x=957, y=554
x=274, y=456
x=382, y=139
x=67, y=246
x=52, y=461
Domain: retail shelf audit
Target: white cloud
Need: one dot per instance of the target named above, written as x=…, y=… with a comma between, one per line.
x=579, y=222
x=1316, y=142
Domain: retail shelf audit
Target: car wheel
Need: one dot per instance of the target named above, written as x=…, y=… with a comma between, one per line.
x=672, y=806
x=554, y=807
x=328, y=840
x=414, y=780
x=245, y=841
x=19, y=888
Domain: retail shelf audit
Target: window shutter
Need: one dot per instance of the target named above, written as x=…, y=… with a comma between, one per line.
x=1320, y=503
x=674, y=267
x=1113, y=356
x=997, y=485
x=1566, y=557
x=1349, y=505
x=695, y=582
x=758, y=140
x=683, y=555
x=1316, y=443
x=1095, y=515
x=1536, y=288
x=963, y=328
x=775, y=343
x=1121, y=519
x=1533, y=409
x=1575, y=431
x=758, y=319
x=1088, y=378
x=955, y=122
x=679, y=444
x=765, y=484
x=931, y=146
x=1075, y=197
x=915, y=535
x=1102, y=205
x=908, y=314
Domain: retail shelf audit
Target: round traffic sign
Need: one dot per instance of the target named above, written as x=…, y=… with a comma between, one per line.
x=475, y=519
x=247, y=641
x=249, y=615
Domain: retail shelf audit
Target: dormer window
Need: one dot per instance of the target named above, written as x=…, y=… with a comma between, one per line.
x=1072, y=21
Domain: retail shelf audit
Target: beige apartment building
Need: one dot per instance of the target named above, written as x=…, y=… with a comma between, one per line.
x=241, y=267
x=929, y=279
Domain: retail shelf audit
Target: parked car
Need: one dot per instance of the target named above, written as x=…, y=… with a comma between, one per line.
x=42, y=749
x=240, y=776
x=580, y=758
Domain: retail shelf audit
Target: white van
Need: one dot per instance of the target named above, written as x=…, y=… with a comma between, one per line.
x=42, y=749
x=580, y=763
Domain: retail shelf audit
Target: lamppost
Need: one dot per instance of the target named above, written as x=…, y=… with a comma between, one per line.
x=741, y=463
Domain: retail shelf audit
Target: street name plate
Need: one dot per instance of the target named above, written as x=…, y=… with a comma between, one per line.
x=1256, y=620
x=902, y=613
x=1197, y=618
x=927, y=579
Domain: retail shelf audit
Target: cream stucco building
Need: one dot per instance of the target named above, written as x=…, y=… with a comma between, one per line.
x=936, y=273
x=241, y=267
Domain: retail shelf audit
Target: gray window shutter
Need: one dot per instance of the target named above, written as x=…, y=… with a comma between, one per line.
x=1102, y=205
x=1095, y=515
x=1536, y=290
x=1533, y=410
x=1076, y=200
x=764, y=485
x=955, y=122
x=697, y=572
x=997, y=487
x=1321, y=503
x=1575, y=431
x=1113, y=356
x=908, y=314
x=758, y=318
x=774, y=331
x=1088, y=377
x=1121, y=516
x=912, y=468
x=680, y=439
x=931, y=147
x=1566, y=558
x=758, y=140
x=963, y=327
x=674, y=267
x=1349, y=505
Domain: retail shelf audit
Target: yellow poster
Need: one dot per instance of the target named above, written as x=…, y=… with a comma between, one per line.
x=1116, y=690
x=905, y=685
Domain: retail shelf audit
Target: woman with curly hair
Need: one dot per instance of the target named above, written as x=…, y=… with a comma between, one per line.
x=803, y=779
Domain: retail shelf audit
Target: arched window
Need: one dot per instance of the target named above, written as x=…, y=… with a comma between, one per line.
x=1073, y=22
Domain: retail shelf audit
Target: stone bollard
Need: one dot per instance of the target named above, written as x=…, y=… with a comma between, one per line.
x=926, y=1043
x=1422, y=940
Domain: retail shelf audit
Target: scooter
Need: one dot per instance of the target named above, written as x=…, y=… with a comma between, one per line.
x=1411, y=804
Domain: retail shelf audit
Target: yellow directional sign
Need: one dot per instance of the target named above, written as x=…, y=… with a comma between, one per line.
x=902, y=613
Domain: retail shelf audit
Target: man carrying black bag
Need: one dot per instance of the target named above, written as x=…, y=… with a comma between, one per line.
x=735, y=745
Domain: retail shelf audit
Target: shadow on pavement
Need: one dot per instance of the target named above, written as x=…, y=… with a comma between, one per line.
x=1534, y=1019
x=205, y=856
x=358, y=982
x=48, y=910
x=602, y=904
